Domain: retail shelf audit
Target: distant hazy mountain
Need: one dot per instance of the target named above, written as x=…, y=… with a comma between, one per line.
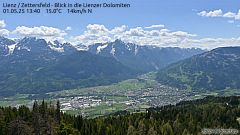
x=214, y=70
x=142, y=58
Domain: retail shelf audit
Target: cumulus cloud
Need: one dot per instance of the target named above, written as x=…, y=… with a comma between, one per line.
x=229, y=15
x=47, y=33
x=97, y=29
x=135, y=32
x=4, y=32
x=203, y=13
x=215, y=13
x=164, y=38
x=95, y=34
x=155, y=26
x=238, y=15
x=41, y=31
x=161, y=37
x=164, y=30
x=182, y=34
x=68, y=28
x=219, y=13
x=153, y=33
x=2, y=24
x=118, y=29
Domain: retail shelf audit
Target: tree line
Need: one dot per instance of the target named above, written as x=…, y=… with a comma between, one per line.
x=184, y=118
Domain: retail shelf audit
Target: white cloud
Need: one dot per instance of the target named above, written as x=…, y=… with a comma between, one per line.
x=2, y=24
x=95, y=34
x=41, y=31
x=164, y=30
x=164, y=38
x=219, y=13
x=48, y=33
x=153, y=33
x=238, y=15
x=4, y=32
x=100, y=34
x=229, y=15
x=182, y=34
x=230, y=21
x=215, y=13
x=135, y=32
x=118, y=29
x=203, y=13
x=68, y=28
x=154, y=37
x=97, y=29
x=155, y=26
x=171, y=41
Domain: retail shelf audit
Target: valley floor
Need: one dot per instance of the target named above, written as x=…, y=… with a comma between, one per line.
x=132, y=95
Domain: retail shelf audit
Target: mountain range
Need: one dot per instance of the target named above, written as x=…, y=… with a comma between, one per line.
x=32, y=65
x=143, y=58
x=218, y=69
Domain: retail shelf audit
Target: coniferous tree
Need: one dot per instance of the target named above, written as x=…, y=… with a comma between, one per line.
x=141, y=128
x=151, y=131
x=58, y=113
x=3, y=126
x=167, y=129
x=64, y=129
x=36, y=118
x=168, y=120
x=130, y=130
x=185, y=132
x=19, y=127
x=176, y=126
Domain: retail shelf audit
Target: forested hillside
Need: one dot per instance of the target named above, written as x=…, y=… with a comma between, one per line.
x=188, y=117
x=217, y=69
x=78, y=70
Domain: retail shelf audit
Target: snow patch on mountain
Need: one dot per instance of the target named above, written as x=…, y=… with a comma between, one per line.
x=136, y=49
x=11, y=48
x=58, y=49
x=53, y=43
x=99, y=48
x=81, y=47
x=23, y=47
x=112, y=51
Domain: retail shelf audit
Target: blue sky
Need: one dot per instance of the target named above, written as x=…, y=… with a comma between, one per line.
x=182, y=23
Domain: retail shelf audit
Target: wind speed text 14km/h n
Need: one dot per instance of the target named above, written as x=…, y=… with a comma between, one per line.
x=80, y=11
